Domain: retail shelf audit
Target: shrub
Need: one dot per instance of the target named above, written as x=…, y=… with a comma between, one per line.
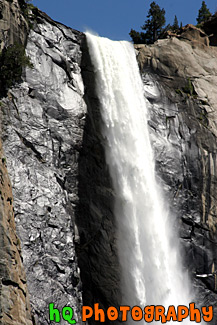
x=12, y=61
x=189, y=88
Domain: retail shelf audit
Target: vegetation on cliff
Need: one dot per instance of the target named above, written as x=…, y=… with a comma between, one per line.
x=154, y=27
x=175, y=27
x=203, y=14
x=12, y=56
x=12, y=61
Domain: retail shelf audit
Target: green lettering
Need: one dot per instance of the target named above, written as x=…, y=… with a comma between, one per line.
x=67, y=313
x=54, y=312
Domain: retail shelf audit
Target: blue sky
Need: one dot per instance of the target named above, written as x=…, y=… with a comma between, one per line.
x=115, y=18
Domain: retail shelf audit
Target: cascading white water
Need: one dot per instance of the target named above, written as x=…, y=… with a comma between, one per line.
x=148, y=254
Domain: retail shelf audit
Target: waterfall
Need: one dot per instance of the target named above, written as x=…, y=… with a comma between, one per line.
x=148, y=249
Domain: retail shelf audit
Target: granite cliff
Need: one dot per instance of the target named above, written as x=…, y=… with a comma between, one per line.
x=53, y=156
x=184, y=70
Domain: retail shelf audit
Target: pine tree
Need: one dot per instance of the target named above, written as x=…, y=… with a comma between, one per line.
x=137, y=37
x=203, y=13
x=175, y=25
x=153, y=26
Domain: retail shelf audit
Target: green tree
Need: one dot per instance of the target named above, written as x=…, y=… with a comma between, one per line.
x=175, y=25
x=153, y=27
x=137, y=37
x=203, y=13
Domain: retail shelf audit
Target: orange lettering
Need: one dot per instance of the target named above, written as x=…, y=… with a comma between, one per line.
x=124, y=310
x=182, y=313
x=112, y=313
x=99, y=313
x=159, y=312
x=171, y=313
x=208, y=315
x=136, y=313
x=149, y=314
x=194, y=313
x=84, y=313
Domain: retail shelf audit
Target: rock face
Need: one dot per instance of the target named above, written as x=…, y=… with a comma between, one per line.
x=183, y=111
x=184, y=64
x=42, y=133
x=14, y=301
x=210, y=27
x=195, y=35
x=13, y=25
x=63, y=196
